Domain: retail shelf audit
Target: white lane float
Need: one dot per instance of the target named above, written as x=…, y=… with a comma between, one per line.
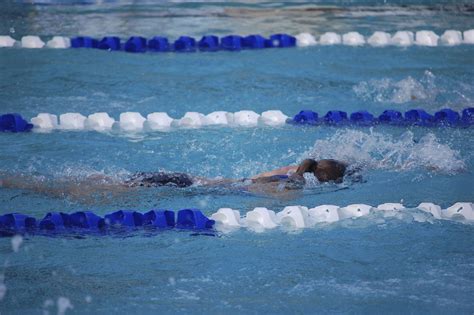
x=305, y=40
x=158, y=121
x=59, y=42
x=7, y=41
x=261, y=217
x=273, y=118
x=426, y=38
x=429, y=207
x=131, y=121
x=72, y=121
x=403, y=38
x=379, y=39
x=246, y=118
x=190, y=120
x=219, y=118
x=99, y=122
x=45, y=122
x=460, y=210
x=354, y=210
x=324, y=213
x=294, y=216
x=227, y=217
x=390, y=206
x=468, y=37
x=330, y=38
x=31, y=42
x=353, y=39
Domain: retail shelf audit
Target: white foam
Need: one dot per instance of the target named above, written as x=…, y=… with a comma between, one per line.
x=354, y=210
x=158, y=121
x=469, y=37
x=353, y=39
x=382, y=151
x=262, y=217
x=324, y=213
x=59, y=42
x=305, y=40
x=16, y=240
x=72, y=121
x=426, y=38
x=131, y=121
x=330, y=38
x=63, y=305
x=219, y=118
x=390, y=207
x=273, y=118
x=7, y=41
x=31, y=42
x=460, y=210
x=379, y=39
x=294, y=216
x=403, y=38
x=246, y=118
x=190, y=120
x=45, y=122
x=435, y=210
x=227, y=217
x=99, y=122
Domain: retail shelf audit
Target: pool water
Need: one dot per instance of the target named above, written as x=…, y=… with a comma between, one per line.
x=403, y=262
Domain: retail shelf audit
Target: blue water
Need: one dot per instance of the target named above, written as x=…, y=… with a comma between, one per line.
x=370, y=264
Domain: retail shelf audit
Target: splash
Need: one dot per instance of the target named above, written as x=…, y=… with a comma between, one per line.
x=398, y=92
x=381, y=151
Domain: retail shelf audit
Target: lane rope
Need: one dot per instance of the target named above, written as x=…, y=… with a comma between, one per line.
x=161, y=121
x=224, y=220
x=212, y=43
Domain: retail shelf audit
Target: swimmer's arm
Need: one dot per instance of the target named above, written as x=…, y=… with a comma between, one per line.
x=281, y=171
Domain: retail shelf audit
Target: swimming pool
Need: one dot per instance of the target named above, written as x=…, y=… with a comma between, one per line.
x=382, y=262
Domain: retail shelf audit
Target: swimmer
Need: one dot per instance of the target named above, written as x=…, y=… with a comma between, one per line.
x=289, y=178
x=293, y=176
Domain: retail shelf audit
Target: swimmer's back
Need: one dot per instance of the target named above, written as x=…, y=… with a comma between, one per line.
x=157, y=179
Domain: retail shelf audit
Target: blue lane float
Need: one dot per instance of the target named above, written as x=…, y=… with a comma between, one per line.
x=135, y=44
x=185, y=44
x=87, y=221
x=391, y=117
x=468, y=115
x=305, y=117
x=232, y=43
x=413, y=117
x=208, y=43
x=257, y=42
x=159, y=44
x=14, y=123
x=84, y=42
x=109, y=43
x=335, y=117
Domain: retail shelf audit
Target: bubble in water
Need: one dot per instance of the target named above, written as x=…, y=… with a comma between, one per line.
x=63, y=304
x=172, y=281
x=381, y=151
x=16, y=242
x=12, y=30
x=88, y=299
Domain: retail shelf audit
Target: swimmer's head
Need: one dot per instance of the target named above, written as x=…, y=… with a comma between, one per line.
x=323, y=170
